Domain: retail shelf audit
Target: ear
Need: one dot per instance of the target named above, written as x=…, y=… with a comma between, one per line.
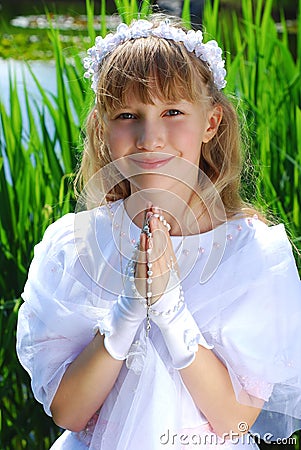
x=214, y=119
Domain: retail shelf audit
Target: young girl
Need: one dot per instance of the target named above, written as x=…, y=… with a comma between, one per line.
x=164, y=313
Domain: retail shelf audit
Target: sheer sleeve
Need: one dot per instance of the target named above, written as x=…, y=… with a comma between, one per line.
x=254, y=324
x=61, y=306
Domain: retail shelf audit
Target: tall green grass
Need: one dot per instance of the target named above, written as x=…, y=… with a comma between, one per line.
x=36, y=179
x=266, y=77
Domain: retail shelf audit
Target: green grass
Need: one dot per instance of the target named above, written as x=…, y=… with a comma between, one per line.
x=263, y=74
x=266, y=77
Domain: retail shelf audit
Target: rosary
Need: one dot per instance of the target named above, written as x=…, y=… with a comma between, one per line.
x=131, y=271
x=149, y=264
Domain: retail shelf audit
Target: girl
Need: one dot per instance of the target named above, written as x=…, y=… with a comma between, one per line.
x=163, y=313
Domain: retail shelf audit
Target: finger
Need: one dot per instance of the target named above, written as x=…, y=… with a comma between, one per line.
x=141, y=260
x=161, y=256
x=158, y=223
x=169, y=254
x=158, y=240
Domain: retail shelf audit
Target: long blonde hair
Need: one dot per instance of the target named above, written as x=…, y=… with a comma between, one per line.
x=155, y=67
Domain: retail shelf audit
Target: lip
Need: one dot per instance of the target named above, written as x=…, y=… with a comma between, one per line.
x=151, y=163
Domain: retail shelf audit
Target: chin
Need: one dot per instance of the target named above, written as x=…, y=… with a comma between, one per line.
x=153, y=182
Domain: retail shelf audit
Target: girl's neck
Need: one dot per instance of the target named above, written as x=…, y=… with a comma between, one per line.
x=186, y=216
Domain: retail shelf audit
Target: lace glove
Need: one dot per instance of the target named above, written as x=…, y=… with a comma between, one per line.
x=121, y=324
x=178, y=327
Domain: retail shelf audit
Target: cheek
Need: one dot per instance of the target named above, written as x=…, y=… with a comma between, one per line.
x=115, y=142
x=189, y=143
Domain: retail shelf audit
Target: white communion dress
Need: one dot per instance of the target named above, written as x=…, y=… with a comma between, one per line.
x=242, y=287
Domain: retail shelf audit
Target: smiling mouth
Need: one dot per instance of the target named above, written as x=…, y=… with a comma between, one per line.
x=151, y=163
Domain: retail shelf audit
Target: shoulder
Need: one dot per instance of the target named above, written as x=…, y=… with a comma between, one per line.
x=256, y=239
x=255, y=253
x=272, y=246
x=271, y=236
x=71, y=256
x=266, y=260
x=74, y=229
x=61, y=229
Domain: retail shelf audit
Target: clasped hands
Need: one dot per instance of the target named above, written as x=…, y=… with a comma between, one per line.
x=153, y=290
x=156, y=258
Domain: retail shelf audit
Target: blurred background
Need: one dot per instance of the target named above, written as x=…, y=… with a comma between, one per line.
x=31, y=43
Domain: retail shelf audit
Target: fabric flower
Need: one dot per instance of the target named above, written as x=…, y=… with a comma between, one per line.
x=192, y=340
x=104, y=326
x=209, y=52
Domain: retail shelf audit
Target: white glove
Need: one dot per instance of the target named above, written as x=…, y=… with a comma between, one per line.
x=121, y=324
x=178, y=327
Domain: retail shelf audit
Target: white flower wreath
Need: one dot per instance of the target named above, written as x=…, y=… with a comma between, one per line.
x=208, y=52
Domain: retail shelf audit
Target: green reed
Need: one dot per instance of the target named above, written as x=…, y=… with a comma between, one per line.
x=36, y=179
x=266, y=77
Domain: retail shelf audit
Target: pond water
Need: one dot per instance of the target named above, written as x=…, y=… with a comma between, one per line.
x=19, y=71
x=44, y=71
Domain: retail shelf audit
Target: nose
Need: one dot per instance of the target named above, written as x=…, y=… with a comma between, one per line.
x=151, y=136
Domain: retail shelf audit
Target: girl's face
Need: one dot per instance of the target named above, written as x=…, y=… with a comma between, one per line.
x=160, y=139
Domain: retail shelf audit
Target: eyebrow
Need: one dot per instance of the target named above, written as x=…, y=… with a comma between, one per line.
x=163, y=103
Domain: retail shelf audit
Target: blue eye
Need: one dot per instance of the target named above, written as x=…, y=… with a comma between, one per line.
x=126, y=116
x=173, y=112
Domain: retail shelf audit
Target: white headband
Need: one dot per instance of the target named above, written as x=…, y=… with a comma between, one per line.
x=210, y=52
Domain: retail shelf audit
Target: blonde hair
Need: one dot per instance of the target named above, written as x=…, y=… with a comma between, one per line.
x=155, y=67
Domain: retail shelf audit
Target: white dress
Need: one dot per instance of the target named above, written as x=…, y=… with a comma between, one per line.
x=240, y=283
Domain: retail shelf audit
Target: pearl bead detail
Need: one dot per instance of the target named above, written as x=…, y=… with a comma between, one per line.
x=176, y=307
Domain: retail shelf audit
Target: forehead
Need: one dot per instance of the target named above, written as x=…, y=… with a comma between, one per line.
x=132, y=100
x=152, y=93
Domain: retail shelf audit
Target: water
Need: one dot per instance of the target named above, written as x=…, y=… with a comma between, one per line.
x=45, y=73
